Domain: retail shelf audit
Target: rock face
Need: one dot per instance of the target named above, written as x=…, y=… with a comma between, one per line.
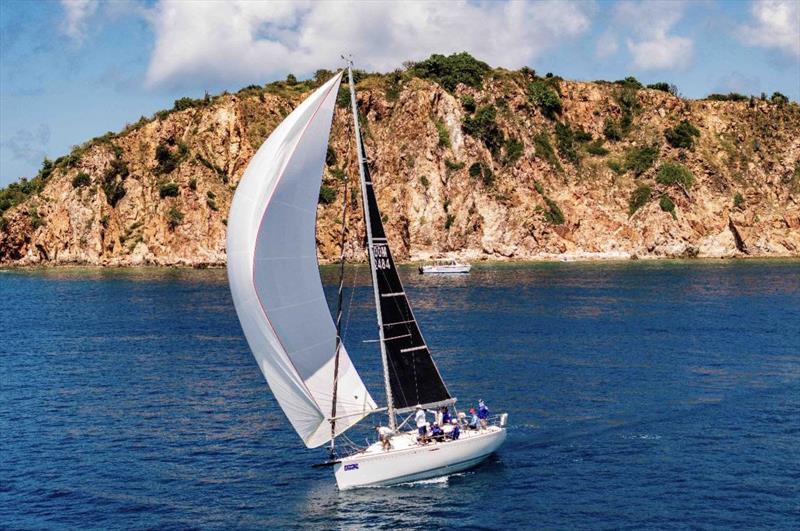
x=442, y=191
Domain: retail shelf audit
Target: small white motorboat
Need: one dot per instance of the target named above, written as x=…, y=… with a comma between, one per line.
x=445, y=266
x=279, y=298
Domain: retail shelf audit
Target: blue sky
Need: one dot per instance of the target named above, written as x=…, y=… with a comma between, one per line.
x=74, y=69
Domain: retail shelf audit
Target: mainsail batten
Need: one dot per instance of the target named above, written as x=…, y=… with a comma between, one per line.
x=274, y=275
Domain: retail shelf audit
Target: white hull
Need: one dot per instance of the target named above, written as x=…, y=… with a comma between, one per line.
x=445, y=269
x=408, y=461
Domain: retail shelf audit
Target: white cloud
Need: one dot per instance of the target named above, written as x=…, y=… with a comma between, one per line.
x=243, y=41
x=77, y=12
x=661, y=53
x=606, y=45
x=29, y=145
x=738, y=82
x=776, y=25
x=651, y=45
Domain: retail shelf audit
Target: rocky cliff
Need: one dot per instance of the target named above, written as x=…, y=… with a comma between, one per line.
x=508, y=166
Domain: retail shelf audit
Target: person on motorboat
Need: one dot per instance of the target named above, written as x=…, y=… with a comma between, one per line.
x=384, y=435
x=483, y=414
x=473, y=420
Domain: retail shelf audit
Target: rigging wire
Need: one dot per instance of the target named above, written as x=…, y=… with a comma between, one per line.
x=339, y=319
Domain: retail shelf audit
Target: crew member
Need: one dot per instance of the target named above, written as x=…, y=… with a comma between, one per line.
x=436, y=433
x=483, y=414
x=422, y=424
x=455, y=433
x=384, y=434
x=473, y=420
x=446, y=418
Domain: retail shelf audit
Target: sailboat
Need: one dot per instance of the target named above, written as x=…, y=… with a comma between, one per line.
x=277, y=291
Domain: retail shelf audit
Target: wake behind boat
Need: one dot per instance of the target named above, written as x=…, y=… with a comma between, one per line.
x=278, y=295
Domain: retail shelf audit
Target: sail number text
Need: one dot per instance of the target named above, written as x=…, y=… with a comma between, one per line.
x=381, y=254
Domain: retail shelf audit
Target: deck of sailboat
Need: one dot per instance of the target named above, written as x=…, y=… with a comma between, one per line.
x=408, y=441
x=409, y=460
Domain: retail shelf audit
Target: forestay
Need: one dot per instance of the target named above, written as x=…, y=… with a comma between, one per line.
x=274, y=275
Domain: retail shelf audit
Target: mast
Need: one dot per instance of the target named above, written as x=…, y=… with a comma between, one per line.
x=370, y=250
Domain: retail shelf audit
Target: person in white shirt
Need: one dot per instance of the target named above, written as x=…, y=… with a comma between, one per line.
x=384, y=434
x=422, y=424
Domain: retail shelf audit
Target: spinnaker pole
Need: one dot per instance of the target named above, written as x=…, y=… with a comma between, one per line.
x=370, y=250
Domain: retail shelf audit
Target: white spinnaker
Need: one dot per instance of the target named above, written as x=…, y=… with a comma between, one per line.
x=274, y=275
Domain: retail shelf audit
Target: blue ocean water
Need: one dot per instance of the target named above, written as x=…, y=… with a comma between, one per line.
x=640, y=394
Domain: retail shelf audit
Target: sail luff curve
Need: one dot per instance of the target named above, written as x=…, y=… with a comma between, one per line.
x=274, y=274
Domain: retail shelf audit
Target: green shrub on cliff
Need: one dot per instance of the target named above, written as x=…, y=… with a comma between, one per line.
x=211, y=200
x=566, y=141
x=82, y=179
x=514, y=150
x=18, y=192
x=628, y=102
x=168, y=190
x=444, y=134
x=640, y=159
x=664, y=87
x=682, y=135
x=544, y=96
x=672, y=173
x=731, y=96
x=482, y=171
x=453, y=165
x=612, y=130
x=169, y=159
x=738, y=201
x=188, y=103
x=36, y=219
x=112, y=181
x=639, y=198
x=449, y=71
x=544, y=150
x=596, y=148
x=468, y=103
x=484, y=127
x=667, y=205
x=779, y=99
x=629, y=105
x=174, y=217
x=327, y=194
x=553, y=214
x=629, y=82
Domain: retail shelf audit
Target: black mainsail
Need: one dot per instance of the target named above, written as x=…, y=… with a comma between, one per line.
x=411, y=374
